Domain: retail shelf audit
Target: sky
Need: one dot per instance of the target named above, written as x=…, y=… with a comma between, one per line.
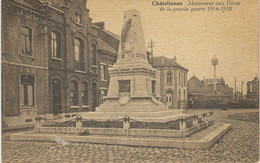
x=194, y=37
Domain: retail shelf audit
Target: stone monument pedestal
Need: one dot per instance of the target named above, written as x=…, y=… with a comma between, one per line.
x=132, y=85
x=132, y=88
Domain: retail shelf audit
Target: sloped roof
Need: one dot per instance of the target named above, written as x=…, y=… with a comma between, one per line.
x=112, y=34
x=162, y=61
x=105, y=47
x=194, y=78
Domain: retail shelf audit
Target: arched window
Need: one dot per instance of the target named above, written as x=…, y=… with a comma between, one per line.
x=78, y=18
x=94, y=54
x=102, y=71
x=79, y=54
x=74, y=93
x=26, y=40
x=169, y=77
x=84, y=93
x=27, y=90
x=55, y=44
x=103, y=93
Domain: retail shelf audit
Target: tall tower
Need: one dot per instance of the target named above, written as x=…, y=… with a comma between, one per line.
x=214, y=62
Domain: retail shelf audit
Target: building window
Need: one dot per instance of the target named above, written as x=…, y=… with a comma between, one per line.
x=27, y=90
x=78, y=18
x=185, y=78
x=26, y=40
x=179, y=94
x=182, y=81
x=184, y=94
x=169, y=77
x=102, y=71
x=94, y=95
x=74, y=93
x=94, y=54
x=84, y=93
x=103, y=93
x=55, y=45
x=179, y=78
x=169, y=98
x=79, y=54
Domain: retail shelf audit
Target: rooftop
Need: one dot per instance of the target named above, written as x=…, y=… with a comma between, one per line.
x=161, y=61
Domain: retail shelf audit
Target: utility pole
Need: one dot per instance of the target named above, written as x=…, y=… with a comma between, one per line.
x=235, y=87
x=242, y=83
x=151, y=45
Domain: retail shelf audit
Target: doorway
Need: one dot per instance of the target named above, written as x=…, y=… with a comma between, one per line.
x=169, y=99
x=94, y=96
x=56, y=96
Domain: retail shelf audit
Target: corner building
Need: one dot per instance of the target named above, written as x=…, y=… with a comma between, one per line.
x=50, y=60
x=171, y=80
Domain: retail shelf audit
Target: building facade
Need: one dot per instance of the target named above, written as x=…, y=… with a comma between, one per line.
x=253, y=90
x=208, y=93
x=53, y=55
x=171, y=79
x=108, y=48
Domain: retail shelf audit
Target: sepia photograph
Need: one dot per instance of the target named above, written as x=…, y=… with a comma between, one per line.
x=130, y=81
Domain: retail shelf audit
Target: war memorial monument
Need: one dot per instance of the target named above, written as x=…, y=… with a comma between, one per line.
x=132, y=113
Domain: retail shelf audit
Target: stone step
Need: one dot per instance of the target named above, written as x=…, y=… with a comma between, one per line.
x=134, y=114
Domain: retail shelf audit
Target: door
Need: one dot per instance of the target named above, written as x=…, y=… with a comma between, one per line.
x=94, y=95
x=56, y=95
x=169, y=99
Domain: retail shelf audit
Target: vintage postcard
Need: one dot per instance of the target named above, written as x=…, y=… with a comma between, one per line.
x=130, y=81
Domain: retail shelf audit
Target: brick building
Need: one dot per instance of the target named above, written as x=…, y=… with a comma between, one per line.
x=171, y=79
x=253, y=90
x=53, y=56
x=208, y=93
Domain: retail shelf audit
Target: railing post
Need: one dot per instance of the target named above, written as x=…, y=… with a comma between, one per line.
x=183, y=124
x=211, y=115
x=78, y=121
x=203, y=117
x=67, y=115
x=38, y=124
x=195, y=120
x=126, y=122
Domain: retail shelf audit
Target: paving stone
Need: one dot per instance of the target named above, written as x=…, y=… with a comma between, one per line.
x=241, y=144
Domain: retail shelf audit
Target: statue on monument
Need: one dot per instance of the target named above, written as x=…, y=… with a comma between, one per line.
x=132, y=39
x=132, y=79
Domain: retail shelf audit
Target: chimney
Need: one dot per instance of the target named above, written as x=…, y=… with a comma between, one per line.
x=174, y=59
x=101, y=25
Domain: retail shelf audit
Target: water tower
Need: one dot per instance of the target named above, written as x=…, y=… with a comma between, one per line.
x=214, y=62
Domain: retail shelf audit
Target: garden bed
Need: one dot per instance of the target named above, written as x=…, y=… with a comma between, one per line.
x=172, y=125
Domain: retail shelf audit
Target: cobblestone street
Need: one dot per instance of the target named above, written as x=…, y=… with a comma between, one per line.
x=241, y=144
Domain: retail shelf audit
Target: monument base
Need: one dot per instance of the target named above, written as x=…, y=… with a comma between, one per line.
x=203, y=140
x=152, y=116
